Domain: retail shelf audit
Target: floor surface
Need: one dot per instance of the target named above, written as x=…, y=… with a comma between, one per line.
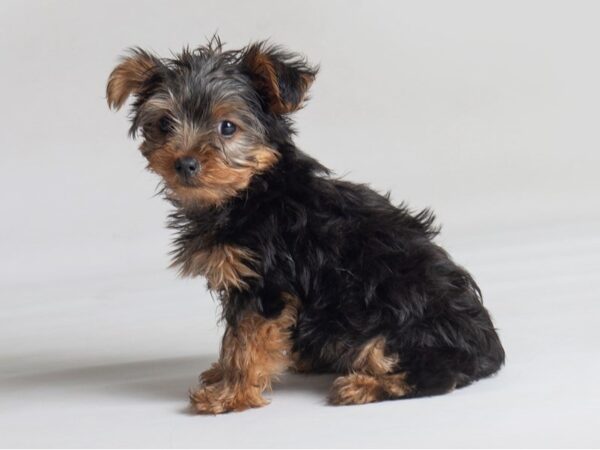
x=107, y=360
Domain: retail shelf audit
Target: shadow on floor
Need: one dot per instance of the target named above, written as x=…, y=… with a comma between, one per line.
x=159, y=379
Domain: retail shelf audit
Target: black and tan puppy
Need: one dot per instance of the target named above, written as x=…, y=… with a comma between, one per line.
x=313, y=273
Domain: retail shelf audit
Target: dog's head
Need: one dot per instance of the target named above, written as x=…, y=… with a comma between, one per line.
x=207, y=117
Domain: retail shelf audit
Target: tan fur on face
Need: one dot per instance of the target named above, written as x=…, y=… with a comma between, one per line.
x=218, y=180
x=224, y=266
x=227, y=164
x=360, y=388
x=127, y=78
x=372, y=359
x=253, y=352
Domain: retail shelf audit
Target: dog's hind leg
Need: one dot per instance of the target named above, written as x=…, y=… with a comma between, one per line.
x=438, y=371
x=358, y=388
x=427, y=374
x=373, y=377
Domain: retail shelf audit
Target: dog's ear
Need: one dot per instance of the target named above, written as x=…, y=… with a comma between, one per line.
x=281, y=78
x=129, y=76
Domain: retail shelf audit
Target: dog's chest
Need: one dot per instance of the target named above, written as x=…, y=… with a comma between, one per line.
x=224, y=266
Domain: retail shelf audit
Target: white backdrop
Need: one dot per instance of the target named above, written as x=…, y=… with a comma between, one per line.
x=486, y=111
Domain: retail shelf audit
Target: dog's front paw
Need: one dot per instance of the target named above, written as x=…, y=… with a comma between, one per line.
x=222, y=397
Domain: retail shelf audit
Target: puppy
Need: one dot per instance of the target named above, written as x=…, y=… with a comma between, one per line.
x=313, y=273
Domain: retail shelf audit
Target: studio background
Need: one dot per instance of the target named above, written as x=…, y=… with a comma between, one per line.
x=485, y=111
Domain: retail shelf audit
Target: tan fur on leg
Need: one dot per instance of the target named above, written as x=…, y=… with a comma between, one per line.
x=212, y=375
x=372, y=358
x=372, y=379
x=252, y=354
x=360, y=388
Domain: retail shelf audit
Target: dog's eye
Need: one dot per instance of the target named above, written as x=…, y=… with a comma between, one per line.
x=165, y=124
x=227, y=128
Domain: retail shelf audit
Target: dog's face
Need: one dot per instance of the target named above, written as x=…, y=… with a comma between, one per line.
x=205, y=116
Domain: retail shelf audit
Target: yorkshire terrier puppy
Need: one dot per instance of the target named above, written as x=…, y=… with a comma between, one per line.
x=313, y=273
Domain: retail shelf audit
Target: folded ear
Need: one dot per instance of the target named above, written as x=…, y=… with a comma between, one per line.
x=281, y=78
x=129, y=76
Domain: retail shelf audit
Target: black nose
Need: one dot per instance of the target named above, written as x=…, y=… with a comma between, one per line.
x=187, y=166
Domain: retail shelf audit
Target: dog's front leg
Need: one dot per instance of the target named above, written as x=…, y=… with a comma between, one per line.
x=253, y=352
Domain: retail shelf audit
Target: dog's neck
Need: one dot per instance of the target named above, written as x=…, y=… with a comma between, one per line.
x=198, y=229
